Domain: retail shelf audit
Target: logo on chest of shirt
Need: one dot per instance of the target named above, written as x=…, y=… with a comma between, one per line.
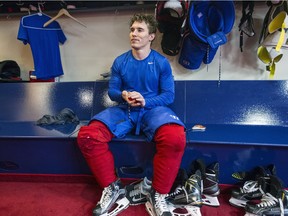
x=174, y=117
x=150, y=63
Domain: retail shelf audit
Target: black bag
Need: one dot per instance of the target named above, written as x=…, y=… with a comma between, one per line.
x=9, y=69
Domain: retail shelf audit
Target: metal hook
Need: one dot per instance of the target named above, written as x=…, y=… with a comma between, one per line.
x=63, y=4
x=20, y=3
x=42, y=3
x=39, y=8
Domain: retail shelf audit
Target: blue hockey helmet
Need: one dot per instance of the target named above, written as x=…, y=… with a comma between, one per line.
x=210, y=21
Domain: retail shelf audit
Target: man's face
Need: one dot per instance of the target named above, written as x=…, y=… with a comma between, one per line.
x=139, y=35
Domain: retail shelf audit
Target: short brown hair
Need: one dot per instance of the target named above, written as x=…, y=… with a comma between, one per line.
x=148, y=19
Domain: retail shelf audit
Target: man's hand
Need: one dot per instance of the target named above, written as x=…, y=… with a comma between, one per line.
x=133, y=98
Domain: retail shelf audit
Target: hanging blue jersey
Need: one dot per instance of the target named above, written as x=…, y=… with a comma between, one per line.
x=152, y=77
x=44, y=44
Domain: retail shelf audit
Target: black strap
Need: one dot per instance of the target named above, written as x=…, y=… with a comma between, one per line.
x=247, y=20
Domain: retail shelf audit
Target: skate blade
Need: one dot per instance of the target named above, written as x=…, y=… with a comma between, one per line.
x=184, y=210
x=118, y=207
x=149, y=209
x=237, y=202
x=210, y=200
x=194, y=210
x=269, y=213
x=249, y=214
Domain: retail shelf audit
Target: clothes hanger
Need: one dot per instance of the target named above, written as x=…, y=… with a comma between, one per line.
x=60, y=13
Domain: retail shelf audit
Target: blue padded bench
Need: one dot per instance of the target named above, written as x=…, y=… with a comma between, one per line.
x=28, y=148
x=246, y=126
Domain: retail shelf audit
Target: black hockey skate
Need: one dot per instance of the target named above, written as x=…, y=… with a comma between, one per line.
x=254, y=186
x=274, y=201
x=186, y=200
x=251, y=190
x=210, y=181
x=112, y=201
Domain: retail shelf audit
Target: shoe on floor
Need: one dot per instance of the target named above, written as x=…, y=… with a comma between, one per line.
x=112, y=201
x=273, y=202
x=137, y=191
x=156, y=204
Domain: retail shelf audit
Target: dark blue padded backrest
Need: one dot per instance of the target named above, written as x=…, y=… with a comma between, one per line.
x=101, y=99
x=237, y=102
x=231, y=102
x=180, y=100
x=196, y=102
x=30, y=101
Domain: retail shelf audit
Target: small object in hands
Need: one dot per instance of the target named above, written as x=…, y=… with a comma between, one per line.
x=198, y=127
x=131, y=99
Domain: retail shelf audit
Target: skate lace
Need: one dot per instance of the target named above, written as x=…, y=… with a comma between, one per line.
x=136, y=191
x=179, y=190
x=250, y=186
x=106, y=196
x=268, y=200
x=211, y=177
x=141, y=189
x=160, y=203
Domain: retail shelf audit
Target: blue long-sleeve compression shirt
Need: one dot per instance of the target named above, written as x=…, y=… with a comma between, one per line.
x=151, y=77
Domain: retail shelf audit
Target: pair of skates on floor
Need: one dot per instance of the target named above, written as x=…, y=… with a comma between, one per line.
x=261, y=193
x=187, y=196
